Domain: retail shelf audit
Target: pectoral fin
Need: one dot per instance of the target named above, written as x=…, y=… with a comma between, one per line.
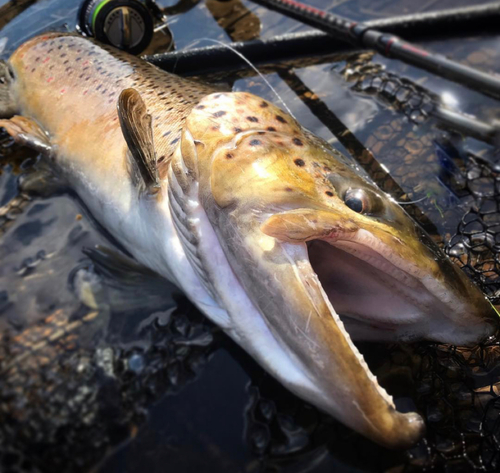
x=138, y=133
x=122, y=284
x=27, y=132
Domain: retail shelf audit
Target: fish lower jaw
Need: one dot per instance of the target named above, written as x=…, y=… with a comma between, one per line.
x=369, y=410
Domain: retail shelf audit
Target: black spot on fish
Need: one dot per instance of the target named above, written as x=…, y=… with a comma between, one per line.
x=255, y=143
x=237, y=130
x=229, y=156
x=329, y=193
x=166, y=133
x=98, y=87
x=161, y=158
x=220, y=113
x=297, y=142
x=264, y=104
x=299, y=162
x=174, y=141
x=280, y=119
x=288, y=189
x=253, y=119
x=271, y=128
x=200, y=107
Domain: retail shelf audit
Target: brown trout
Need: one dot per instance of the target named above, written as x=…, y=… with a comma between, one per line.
x=259, y=222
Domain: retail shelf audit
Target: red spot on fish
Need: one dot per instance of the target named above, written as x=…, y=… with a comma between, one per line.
x=85, y=63
x=46, y=59
x=44, y=38
x=50, y=79
x=85, y=92
x=63, y=90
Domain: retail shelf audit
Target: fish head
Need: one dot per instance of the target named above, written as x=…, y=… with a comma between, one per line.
x=319, y=249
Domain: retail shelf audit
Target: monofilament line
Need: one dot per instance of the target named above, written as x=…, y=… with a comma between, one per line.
x=250, y=64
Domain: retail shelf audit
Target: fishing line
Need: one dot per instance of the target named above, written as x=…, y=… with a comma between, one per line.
x=411, y=201
x=250, y=64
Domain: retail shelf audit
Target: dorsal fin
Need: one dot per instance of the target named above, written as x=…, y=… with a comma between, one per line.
x=135, y=122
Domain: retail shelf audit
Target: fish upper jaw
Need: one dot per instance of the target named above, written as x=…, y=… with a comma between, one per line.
x=387, y=286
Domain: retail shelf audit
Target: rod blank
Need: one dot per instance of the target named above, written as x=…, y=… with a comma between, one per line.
x=390, y=45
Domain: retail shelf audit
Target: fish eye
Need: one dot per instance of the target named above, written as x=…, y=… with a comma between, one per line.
x=357, y=200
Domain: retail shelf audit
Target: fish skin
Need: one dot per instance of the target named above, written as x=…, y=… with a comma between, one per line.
x=243, y=187
x=71, y=69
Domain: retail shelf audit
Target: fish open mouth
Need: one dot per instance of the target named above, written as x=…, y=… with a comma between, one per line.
x=350, y=284
x=379, y=295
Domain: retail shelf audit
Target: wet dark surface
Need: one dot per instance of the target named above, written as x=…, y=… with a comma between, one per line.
x=104, y=367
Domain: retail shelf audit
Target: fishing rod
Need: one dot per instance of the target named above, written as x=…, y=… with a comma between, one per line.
x=389, y=45
x=218, y=58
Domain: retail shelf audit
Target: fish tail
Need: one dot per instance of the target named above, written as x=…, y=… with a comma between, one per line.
x=8, y=105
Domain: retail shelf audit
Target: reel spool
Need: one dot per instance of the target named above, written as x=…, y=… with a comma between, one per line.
x=124, y=24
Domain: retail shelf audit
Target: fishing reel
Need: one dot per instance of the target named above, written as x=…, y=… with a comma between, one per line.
x=125, y=24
